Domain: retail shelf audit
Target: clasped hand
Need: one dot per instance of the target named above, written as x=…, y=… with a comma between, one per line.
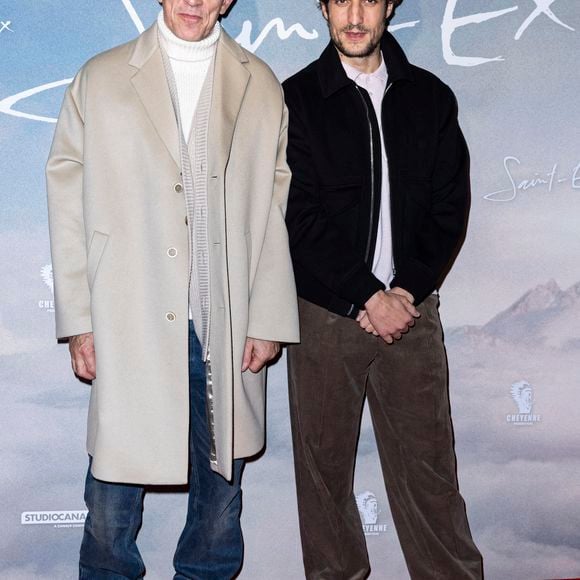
x=388, y=314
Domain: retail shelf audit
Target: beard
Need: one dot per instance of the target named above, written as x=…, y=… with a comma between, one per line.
x=360, y=51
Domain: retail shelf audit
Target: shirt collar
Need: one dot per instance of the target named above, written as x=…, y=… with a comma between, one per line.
x=354, y=74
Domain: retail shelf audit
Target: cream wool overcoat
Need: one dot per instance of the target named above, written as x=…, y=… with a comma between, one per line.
x=119, y=244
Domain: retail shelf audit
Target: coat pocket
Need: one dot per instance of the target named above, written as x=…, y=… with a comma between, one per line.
x=95, y=253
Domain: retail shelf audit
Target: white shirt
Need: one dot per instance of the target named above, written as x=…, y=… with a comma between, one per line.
x=375, y=84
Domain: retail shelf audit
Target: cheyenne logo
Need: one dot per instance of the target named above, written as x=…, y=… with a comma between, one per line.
x=59, y=519
x=46, y=275
x=523, y=395
x=368, y=508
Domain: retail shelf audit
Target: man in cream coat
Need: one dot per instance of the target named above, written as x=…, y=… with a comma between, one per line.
x=167, y=187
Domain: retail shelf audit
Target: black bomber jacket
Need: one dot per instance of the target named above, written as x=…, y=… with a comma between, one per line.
x=334, y=154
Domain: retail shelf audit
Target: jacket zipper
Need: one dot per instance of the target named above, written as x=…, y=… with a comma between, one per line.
x=368, y=247
x=393, y=267
x=372, y=148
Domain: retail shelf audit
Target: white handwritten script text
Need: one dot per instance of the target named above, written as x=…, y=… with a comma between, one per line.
x=449, y=26
x=7, y=104
x=452, y=23
x=245, y=36
x=546, y=181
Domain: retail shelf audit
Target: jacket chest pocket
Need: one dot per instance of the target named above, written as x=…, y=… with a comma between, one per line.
x=94, y=255
x=339, y=199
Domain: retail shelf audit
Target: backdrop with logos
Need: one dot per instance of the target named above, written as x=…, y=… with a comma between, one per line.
x=510, y=307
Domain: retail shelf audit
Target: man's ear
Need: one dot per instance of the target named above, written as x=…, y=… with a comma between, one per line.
x=324, y=9
x=225, y=6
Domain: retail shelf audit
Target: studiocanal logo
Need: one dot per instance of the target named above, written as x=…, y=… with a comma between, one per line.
x=46, y=275
x=523, y=395
x=57, y=519
x=368, y=508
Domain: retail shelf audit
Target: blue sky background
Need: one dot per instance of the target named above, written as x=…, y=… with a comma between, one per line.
x=520, y=483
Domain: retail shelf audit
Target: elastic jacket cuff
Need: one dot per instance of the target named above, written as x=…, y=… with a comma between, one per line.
x=360, y=286
x=417, y=279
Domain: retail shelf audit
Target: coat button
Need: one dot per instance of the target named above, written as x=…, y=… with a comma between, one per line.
x=186, y=221
x=178, y=188
x=172, y=252
x=170, y=316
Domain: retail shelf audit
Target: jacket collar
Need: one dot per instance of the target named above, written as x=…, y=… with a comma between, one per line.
x=332, y=77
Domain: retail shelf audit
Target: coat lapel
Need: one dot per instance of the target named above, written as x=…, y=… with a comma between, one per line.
x=150, y=84
x=231, y=78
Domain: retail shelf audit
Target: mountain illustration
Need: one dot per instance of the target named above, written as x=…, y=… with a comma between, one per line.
x=545, y=316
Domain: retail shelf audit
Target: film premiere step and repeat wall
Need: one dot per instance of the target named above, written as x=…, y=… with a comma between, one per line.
x=511, y=306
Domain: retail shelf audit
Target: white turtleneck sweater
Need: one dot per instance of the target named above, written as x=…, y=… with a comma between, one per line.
x=190, y=62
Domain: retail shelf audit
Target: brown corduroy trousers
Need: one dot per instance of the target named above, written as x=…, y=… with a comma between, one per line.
x=331, y=371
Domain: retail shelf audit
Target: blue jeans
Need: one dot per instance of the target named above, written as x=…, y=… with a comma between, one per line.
x=210, y=546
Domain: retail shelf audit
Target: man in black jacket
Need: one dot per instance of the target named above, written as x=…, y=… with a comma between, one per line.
x=376, y=213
